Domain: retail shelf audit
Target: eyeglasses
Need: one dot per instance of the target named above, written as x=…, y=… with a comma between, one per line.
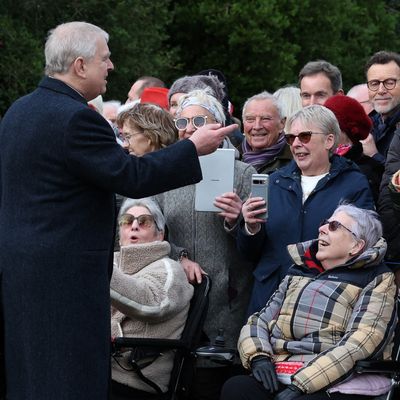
x=375, y=84
x=304, y=137
x=334, y=225
x=144, y=220
x=198, y=121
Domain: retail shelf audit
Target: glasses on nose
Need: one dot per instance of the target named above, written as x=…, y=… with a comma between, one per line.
x=304, y=137
x=198, y=121
x=335, y=225
x=375, y=84
x=144, y=220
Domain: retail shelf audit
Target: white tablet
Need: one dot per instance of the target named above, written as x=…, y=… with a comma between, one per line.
x=217, y=169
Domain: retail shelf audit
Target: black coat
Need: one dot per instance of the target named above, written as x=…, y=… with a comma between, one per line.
x=390, y=216
x=60, y=167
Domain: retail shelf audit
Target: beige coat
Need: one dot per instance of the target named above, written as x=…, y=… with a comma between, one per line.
x=150, y=298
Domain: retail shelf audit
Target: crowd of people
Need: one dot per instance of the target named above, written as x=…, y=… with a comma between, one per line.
x=312, y=284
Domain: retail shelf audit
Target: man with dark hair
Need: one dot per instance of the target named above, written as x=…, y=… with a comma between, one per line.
x=383, y=74
x=319, y=80
x=142, y=83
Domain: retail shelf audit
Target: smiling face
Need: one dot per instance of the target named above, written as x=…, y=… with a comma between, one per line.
x=337, y=247
x=190, y=112
x=313, y=157
x=384, y=100
x=134, y=233
x=262, y=124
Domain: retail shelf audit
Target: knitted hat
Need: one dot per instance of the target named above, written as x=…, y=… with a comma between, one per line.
x=353, y=120
x=187, y=84
x=155, y=95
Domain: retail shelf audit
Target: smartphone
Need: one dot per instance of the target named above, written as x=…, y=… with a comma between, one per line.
x=259, y=188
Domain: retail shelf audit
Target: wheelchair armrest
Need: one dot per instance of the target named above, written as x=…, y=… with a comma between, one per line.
x=130, y=342
x=382, y=367
x=218, y=354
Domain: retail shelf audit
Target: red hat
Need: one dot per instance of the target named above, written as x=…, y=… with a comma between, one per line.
x=155, y=95
x=353, y=120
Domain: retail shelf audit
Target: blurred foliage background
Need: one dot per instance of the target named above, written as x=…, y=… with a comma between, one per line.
x=258, y=44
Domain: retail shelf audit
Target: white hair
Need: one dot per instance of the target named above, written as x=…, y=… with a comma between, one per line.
x=69, y=41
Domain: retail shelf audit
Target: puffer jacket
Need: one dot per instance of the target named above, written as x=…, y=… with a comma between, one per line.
x=327, y=319
x=150, y=298
x=291, y=221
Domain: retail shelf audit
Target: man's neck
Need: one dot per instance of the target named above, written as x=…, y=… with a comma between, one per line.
x=390, y=113
x=69, y=82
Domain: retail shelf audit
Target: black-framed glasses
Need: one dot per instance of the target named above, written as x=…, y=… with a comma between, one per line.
x=335, y=225
x=197, y=121
x=389, y=83
x=304, y=137
x=144, y=220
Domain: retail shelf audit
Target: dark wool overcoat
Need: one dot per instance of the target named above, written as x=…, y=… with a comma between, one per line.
x=59, y=169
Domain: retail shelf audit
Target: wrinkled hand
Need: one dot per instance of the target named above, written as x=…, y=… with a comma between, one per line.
x=369, y=146
x=291, y=392
x=210, y=136
x=250, y=210
x=231, y=206
x=264, y=371
x=192, y=270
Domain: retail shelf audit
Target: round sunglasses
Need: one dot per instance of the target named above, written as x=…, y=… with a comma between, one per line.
x=197, y=121
x=304, y=137
x=335, y=225
x=144, y=220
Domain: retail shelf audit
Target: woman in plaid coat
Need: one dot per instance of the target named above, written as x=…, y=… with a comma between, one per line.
x=336, y=306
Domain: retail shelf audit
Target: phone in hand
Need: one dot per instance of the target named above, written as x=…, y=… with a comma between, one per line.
x=259, y=188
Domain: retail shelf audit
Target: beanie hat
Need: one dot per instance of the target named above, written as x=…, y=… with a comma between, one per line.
x=155, y=95
x=353, y=120
x=187, y=84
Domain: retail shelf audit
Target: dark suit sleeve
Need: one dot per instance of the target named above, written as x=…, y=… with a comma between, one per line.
x=92, y=153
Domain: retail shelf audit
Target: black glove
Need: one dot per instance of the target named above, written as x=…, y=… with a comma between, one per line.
x=264, y=371
x=291, y=392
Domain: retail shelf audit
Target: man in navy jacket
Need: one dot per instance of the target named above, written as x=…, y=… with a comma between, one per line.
x=59, y=169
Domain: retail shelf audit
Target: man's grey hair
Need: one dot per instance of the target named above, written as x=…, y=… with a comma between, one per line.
x=265, y=96
x=330, y=70
x=67, y=42
x=151, y=205
x=366, y=224
x=319, y=116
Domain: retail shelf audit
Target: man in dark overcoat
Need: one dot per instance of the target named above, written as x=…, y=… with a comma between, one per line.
x=59, y=169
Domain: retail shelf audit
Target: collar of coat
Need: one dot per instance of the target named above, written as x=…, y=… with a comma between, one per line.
x=131, y=259
x=338, y=165
x=304, y=254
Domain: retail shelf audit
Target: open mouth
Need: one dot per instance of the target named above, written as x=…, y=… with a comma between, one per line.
x=322, y=242
x=259, y=134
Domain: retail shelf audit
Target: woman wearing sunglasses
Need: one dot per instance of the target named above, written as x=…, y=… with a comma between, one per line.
x=335, y=306
x=150, y=295
x=301, y=194
x=205, y=243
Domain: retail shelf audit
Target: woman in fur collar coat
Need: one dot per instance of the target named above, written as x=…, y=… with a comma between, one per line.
x=150, y=294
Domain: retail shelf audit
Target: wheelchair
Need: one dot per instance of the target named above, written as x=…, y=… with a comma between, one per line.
x=390, y=368
x=185, y=348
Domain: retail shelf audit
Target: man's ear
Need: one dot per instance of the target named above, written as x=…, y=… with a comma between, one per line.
x=80, y=67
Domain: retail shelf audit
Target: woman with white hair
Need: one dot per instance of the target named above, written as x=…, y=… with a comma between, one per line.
x=336, y=306
x=204, y=241
x=150, y=295
x=300, y=195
